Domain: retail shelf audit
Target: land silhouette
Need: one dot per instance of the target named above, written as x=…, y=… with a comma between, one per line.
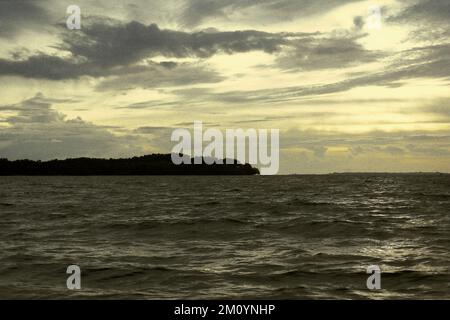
x=155, y=164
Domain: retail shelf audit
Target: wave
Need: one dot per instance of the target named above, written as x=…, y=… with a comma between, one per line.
x=5, y=204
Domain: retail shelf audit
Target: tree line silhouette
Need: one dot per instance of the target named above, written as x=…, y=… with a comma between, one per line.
x=155, y=164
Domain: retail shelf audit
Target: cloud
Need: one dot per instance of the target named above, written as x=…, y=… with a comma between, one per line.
x=319, y=151
x=436, y=151
x=329, y=52
x=431, y=18
x=420, y=11
x=393, y=143
x=421, y=62
x=440, y=108
x=358, y=22
x=110, y=48
x=164, y=74
x=150, y=75
x=152, y=130
x=19, y=15
x=43, y=66
x=197, y=12
x=37, y=131
x=394, y=150
x=113, y=43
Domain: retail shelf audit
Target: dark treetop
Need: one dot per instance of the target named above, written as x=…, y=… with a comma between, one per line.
x=155, y=164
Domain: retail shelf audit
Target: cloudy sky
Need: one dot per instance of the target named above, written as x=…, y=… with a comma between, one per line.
x=346, y=96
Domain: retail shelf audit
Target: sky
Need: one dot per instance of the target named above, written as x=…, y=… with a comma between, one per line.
x=346, y=93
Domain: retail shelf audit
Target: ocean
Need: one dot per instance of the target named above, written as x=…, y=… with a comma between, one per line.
x=226, y=237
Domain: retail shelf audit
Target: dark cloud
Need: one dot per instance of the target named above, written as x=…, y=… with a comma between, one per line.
x=37, y=131
x=358, y=22
x=265, y=119
x=315, y=53
x=149, y=104
x=439, y=108
x=112, y=44
x=190, y=124
x=110, y=48
x=421, y=11
x=161, y=75
x=431, y=18
x=19, y=15
x=43, y=66
x=197, y=12
x=151, y=130
x=149, y=75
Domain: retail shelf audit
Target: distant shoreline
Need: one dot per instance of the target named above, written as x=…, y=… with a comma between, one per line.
x=149, y=165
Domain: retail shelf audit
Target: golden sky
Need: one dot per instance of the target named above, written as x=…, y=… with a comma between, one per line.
x=346, y=94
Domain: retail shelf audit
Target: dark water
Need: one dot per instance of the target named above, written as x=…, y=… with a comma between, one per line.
x=225, y=237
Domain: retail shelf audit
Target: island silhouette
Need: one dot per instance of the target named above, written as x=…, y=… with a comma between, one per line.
x=154, y=164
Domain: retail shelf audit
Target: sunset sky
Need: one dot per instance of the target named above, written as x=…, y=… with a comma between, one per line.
x=345, y=95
